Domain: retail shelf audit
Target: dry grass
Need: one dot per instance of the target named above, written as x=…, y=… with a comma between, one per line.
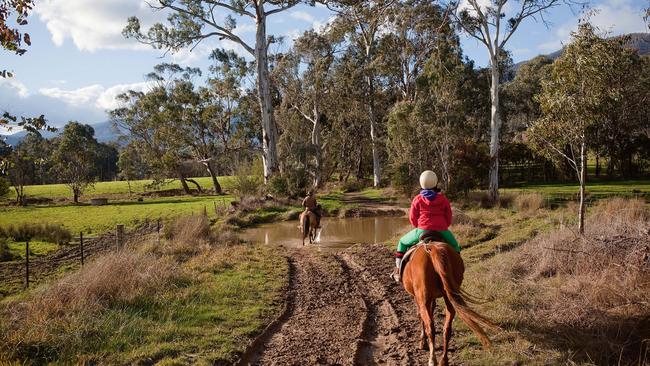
x=43, y=232
x=592, y=291
x=481, y=199
x=55, y=321
x=192, y=293
x=528, y=203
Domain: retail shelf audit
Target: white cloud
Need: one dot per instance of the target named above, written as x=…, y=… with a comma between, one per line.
x=93, y=95
x=614, y=17
x=14, y=87
x=77, y=97
x=106, y=99
x=94, y=25
x=302, y=15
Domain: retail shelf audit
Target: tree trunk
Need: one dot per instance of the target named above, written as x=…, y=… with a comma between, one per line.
x=215, y=181
x=583, y=181
x=198, y=187
x=186, y=188
x=376, y=164
x=495, y=125
x=315, y=141
x=269, y=129
x=597, y=165
x=75, y=195
x=128, y=183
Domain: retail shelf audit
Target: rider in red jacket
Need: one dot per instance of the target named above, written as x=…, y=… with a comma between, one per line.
x=430, y=211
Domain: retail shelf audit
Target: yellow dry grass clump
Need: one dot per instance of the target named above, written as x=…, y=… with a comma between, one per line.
x=594, y=289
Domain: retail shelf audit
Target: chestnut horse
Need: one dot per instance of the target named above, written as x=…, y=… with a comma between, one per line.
x=308, y=226
x=436, y=270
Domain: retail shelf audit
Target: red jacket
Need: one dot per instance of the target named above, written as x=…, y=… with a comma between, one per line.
x=430, y=215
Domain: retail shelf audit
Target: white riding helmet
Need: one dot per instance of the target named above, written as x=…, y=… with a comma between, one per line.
x=428, y=179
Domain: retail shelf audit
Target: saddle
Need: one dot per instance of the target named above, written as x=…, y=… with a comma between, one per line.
x=425, y=238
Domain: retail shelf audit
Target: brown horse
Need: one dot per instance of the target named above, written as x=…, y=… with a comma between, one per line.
x=436, y=270
x=308, y=226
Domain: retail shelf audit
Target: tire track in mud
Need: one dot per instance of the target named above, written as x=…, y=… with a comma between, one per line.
x=342, y=309
x=382, y=338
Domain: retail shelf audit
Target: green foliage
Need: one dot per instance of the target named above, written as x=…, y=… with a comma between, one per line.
x=403, y=180
x=75, y=157
x=4, y=187
x=278, y=185
x=246, y=183
x=470, y=164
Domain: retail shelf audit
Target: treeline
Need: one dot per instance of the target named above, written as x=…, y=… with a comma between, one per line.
x=74, y=157
x=376, y=97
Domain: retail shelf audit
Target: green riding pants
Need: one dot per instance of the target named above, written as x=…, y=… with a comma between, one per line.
x=413, y=237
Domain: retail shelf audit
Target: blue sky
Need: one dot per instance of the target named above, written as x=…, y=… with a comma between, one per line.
x=79, y=62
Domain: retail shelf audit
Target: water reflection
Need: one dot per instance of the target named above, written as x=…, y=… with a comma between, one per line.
x=336, y=233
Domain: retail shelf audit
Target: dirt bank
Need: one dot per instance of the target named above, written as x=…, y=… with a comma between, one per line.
x=342, y=309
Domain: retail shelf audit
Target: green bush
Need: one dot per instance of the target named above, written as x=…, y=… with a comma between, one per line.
x=278, y=185
x=246, y=183
x=402, y=180
x=352, y=186
x=297, y=181
x=4, y=187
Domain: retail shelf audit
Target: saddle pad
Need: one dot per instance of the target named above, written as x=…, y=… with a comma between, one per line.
x=407, y=257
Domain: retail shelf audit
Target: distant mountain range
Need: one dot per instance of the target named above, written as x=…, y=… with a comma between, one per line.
x=638, y=41
x=104, y=132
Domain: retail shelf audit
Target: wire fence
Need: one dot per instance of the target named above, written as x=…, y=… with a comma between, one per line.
x=16, y=275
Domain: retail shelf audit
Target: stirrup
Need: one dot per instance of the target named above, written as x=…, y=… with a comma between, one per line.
x=395, y=276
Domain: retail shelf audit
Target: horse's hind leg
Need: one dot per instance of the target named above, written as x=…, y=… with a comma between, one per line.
x=446, y=333
x=423, y=334
x=426, y=314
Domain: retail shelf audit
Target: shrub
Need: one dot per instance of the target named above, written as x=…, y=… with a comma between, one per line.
x=529, y=202
x=297, y=181
x=44, y=232
x=4, y=187
x=352, y=186
x=278, y=185
x=402, y=180
x=246, y=183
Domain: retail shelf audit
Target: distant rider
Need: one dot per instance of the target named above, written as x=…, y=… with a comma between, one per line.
x=310, y=204
x=430, y=211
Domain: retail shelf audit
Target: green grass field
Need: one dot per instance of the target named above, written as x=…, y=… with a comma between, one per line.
x=55, y=191
x=99, y=219
x=598, y=189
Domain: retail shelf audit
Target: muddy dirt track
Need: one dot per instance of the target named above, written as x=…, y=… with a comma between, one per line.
x=343, y=309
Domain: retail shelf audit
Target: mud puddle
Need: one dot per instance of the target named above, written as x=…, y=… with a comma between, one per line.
x=336, y=233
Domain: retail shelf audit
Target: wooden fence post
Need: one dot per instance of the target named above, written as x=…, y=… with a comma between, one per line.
x=119, y=235
x=216, y=212
x=158, y=230
x=27, y=263
x=205, y=211
x=81, y=247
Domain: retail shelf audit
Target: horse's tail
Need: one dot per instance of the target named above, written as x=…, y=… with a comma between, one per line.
x=445, y=271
